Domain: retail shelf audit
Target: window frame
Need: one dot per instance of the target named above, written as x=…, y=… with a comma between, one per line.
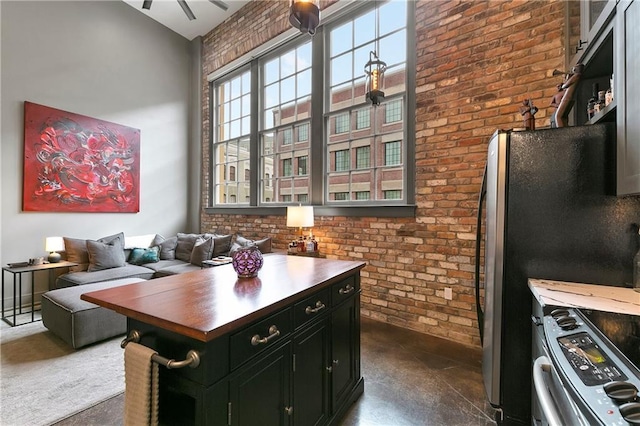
x=333, y=16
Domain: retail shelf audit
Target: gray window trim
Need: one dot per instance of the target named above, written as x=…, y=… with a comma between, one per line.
x=317, y=129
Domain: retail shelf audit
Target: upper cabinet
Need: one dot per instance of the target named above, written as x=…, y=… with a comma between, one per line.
x=627, y=88
x=609, y=48
x=593, y=16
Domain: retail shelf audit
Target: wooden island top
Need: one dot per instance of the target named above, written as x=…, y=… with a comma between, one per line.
x=208, y=303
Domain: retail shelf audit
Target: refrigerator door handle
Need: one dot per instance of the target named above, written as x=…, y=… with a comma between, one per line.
x=481, y=198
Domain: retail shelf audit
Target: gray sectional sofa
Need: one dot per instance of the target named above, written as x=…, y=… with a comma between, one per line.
x=115, y=260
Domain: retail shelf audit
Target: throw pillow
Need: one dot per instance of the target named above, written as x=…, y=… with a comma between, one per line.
x=264, y=245
x=168, y=248
x=157, y=240
x=221, y=245
x=234, y=247
x=140, y=256
x=201, y=251
x=76, y=251
x=185, y=246
x=106, y=254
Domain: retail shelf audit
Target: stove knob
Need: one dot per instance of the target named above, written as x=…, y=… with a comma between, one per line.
x=567, y=323
x=621, y=392
x=557, y=313
x=631, y=412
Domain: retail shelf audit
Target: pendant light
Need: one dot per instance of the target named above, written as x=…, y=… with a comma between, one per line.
x=374, y=69
x=305, y=15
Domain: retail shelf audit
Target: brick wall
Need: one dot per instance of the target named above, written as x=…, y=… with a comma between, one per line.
x=476, y=62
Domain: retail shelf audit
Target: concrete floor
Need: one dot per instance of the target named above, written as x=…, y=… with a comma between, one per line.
x=410, y=379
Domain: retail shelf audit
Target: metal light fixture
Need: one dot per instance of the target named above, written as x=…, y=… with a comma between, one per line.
x=374, y=69
x=305, y=15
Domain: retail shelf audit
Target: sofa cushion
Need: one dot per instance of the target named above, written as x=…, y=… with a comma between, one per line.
x=221, y=245
x=85, y=277
x=177, y=269
x=79, y=322
x=202, y=250
x=76, y=251
x=168, y=248
x=185, y=246
x=162, y=264
x=140, y=256
x=106, y=253
x=264, y=245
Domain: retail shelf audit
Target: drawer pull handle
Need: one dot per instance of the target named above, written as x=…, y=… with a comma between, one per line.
x=347, y=289
x=319, y=306
x=273, y=333
x=288, y=410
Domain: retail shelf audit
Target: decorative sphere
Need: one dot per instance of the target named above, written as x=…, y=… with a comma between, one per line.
x=247, y=261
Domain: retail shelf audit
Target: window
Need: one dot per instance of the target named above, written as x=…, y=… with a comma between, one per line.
x=303, y=132
x=302, y=166
x=285, y=88
x=340, y=196
x=342, y=123
x=382, y=29
x=392, y=153
x=393, y=194
x=231, y=131
x=393, y=112
x=287, y=137
x=342, y=160
x=362, y=158
x=363, y=119
x=287, y=167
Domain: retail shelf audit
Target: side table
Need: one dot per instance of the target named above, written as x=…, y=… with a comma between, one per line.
x=18, y=271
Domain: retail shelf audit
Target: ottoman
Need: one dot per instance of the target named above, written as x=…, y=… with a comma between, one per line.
x=80, y=323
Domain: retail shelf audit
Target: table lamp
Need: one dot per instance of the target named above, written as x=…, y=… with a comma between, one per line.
x=299, y=216
x=54, y=245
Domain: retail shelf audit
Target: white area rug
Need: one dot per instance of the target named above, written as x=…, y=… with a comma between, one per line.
x=43, y=380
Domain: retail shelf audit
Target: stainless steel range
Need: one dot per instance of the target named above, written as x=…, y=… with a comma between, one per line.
x=586, y=368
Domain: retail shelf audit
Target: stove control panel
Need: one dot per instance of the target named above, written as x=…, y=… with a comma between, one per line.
x=588, y=360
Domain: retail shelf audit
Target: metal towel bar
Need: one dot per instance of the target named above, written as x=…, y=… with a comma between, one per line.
x=193, y=358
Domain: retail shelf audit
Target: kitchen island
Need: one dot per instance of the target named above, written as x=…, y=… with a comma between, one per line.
x=279, y=349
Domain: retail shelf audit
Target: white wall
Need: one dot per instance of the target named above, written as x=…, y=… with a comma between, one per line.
x=105, y=60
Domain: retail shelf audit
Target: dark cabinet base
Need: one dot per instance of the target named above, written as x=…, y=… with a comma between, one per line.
x=297, y=366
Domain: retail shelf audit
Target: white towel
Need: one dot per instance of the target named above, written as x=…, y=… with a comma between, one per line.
x=141, y=386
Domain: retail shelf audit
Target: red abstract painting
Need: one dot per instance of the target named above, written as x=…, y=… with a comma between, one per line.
x=75, y=163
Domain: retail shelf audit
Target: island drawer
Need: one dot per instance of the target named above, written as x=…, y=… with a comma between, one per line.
x=311, y=307
x=343, y=290
x=259, y=336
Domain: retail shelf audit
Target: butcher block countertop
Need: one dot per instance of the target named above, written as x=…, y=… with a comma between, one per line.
x=210, y=302
x=587, y=296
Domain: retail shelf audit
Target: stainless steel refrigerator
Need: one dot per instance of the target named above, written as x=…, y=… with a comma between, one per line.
x=551, y=212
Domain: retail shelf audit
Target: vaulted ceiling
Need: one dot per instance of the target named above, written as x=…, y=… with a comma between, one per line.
x=207, y=14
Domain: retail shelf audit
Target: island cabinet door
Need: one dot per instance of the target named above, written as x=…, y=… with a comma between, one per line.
x=345, y=353
x=260, y=391
x=311, y=367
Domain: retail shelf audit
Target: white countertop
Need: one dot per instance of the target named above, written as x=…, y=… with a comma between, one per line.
x=589, y=296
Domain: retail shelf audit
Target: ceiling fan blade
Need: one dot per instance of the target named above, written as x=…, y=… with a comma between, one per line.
x=222, y=5
x=146, y=4
x=187, y=10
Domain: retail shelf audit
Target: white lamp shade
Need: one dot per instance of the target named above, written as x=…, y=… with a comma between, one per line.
x=54, y=244
x=299, y=216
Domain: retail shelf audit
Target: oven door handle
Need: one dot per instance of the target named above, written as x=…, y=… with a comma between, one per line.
x=542, y=366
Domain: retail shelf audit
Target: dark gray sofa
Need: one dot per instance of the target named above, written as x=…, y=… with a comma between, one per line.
x=104, y=263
